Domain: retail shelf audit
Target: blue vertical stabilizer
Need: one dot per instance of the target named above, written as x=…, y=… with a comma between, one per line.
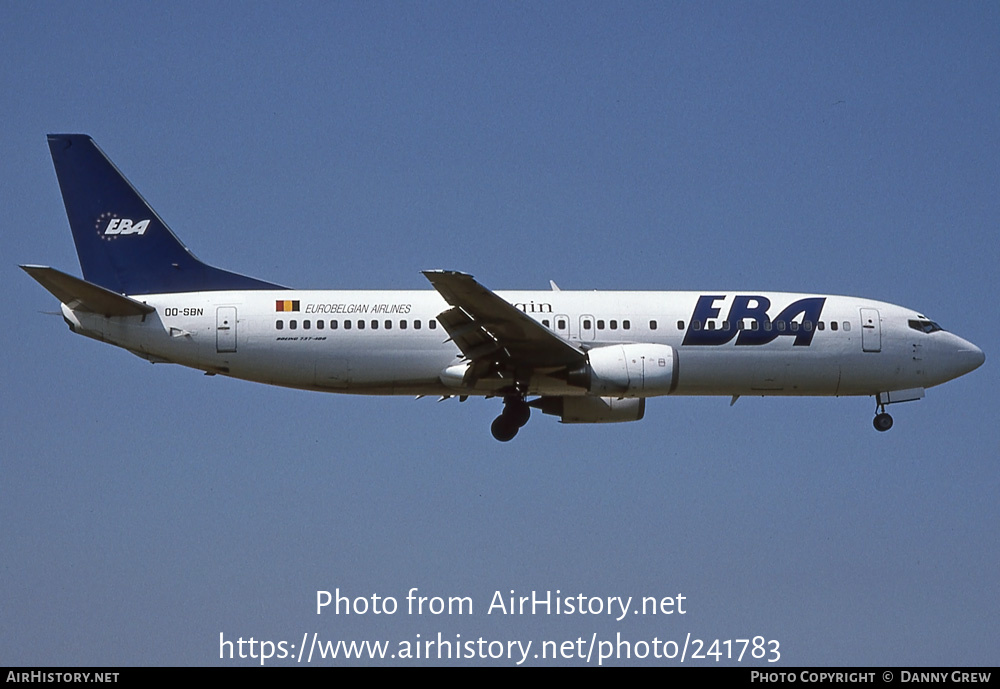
x=122, y=243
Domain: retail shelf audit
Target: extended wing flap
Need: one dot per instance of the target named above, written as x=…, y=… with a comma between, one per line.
x=85, y=296
x=499, y=325
x=466, y=333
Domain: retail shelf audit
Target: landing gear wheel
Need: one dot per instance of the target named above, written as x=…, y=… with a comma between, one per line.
x=518, y=412
x=504, y=428
x=882, y=422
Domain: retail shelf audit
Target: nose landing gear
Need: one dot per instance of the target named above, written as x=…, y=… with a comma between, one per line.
x=882, y=420
x=516, y=413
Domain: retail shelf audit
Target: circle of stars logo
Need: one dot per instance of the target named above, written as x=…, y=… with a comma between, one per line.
x=102, y=222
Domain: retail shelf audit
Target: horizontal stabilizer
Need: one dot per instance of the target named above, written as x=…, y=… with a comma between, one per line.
x=81, y=295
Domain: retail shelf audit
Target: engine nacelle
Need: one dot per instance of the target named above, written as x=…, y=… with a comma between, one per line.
x=592, y=409
x=630, y=370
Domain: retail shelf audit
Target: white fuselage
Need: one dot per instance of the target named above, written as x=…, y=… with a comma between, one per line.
x=586, y=357
x=388, y=342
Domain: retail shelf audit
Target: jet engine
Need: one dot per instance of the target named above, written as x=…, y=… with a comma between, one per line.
x=592, y=409
x=630, y=370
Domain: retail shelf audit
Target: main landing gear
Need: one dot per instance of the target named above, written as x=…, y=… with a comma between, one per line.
x=516, y=413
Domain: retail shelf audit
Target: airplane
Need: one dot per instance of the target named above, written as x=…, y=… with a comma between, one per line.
x=586, y=357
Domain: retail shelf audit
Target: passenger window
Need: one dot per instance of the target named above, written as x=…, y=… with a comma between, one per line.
x=402, y=325
x=361, y=325
x=725, y=326
x=680, y=325
x=807, y=326
x=695, y=325
x=626, y=325
x=416, y=324
x=833, y=325
x=561, y=324
x=793, y=326
x=374, y=324
x=600, y=324
x=432, y=325
x=586, y=324
x=388, y=325
x=306, y=325
x=333, y=325
x=347, y=325
x=652, y=325
x=292, y=325
x=613, y=325
x=280, y=325
x=847, y=326
x=319, y=325
x=821, y=326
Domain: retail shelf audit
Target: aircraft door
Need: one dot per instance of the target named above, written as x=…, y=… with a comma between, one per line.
x=871, y=331
x=225, y=329
x=587, y=330
x=561, y=323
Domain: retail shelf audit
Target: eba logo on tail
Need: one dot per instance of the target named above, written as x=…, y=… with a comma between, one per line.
x=120, y=226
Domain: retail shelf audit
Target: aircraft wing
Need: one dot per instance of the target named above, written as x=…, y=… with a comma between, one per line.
x=85, y=296
x=485, y=327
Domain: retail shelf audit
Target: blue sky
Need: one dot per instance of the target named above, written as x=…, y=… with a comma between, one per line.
x=818, y=147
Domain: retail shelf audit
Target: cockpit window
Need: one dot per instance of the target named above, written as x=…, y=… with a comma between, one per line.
x=924, y=326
